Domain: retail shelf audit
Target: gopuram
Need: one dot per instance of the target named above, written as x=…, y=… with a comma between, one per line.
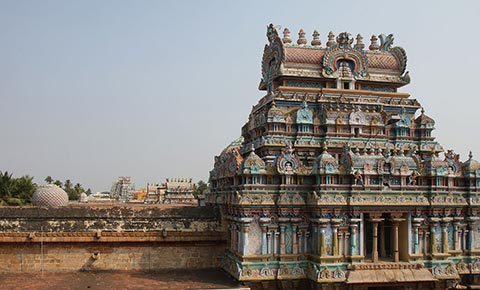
x=337, y=181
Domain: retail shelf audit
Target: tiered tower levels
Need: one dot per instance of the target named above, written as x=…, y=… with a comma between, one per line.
x=337, y=173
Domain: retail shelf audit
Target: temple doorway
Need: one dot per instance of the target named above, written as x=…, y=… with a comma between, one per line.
x=384, y=238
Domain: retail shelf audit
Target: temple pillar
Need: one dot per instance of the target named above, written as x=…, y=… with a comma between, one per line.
x=396, y=222
x=300, y=242
x=375, y=220
x=264, y=226
x=335, y=224
x=353, y=236
x=245, y=229
x=444, y=224
x=346, y=243
x=471, y=229
x=322, y=228
x=282, y=238
x=305, y=241
x=383, y=250
x=294, y=239
x=231, y=227
x=276, y=240
x=433, y=240
x=416, y=222
x=269, y=242
x=456, y=226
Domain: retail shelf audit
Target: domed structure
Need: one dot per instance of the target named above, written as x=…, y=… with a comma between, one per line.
x=83, y=197
x=50, y=195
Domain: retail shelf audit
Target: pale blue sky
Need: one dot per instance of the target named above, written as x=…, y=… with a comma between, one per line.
x=91, y=90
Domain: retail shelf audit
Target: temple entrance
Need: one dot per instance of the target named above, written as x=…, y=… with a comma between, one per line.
x=382, y=240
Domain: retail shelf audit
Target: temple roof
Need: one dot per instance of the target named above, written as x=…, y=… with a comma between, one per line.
x=379, y=63
x=424, y=120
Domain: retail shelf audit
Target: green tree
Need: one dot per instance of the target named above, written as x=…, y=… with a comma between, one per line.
x=16, y=191
x=48, y=179
x=68, y=187
x=78, y=188
x=200, y=188
x=58, y=183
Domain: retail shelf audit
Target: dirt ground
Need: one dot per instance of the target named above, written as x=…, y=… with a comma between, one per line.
x=165, y=280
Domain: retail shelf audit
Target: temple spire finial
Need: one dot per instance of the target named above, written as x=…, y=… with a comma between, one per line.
x=374, y=43
x=331, y=39
x=301, y=37
x=286, y=36
x=359, y=44
x=316, y=39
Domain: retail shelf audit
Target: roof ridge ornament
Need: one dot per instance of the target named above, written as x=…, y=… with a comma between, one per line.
x=272, y=32
x=374, y=43
x=286, y=36
x=331, y=39
x=316, y=38
x=301, y=37
x=345, y=40
x=359, y=44
x=386, y=42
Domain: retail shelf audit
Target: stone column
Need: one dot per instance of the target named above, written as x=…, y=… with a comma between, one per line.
x=375, y=220
x=433, y=242
x=276, y=242
x=471, y=228
x=346, y=243
x=322, y=225
x=396, y=222
x=383, y=250
x=444, y=225
x=264, y=225
x=294, y=239
x=282, y=238
x=305, y=241
x=300, y=241
x=353, y=236
x=245, y=230
x=335, y=224
x=231, y=227
x=456, y=224
x=269, y=243
x=315, y=241
x=416, y=222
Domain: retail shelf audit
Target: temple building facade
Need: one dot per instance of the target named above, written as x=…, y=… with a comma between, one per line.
x=337, y=180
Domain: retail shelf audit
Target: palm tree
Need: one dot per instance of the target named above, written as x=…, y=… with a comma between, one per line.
x=48, y=179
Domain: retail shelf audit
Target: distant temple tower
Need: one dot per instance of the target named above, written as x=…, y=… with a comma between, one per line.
x=337, y=183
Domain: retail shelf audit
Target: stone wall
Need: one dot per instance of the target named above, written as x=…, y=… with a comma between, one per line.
x=62, y=257
x=104, y=238
x=84, y=218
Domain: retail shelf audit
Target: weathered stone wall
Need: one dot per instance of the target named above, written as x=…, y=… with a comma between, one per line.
x=126, y=238
x=63, y=257
x=83, y=218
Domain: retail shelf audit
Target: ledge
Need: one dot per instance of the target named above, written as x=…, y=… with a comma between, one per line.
x=113, y=237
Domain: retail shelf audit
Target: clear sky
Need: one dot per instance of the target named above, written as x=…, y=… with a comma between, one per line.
x=92, y=90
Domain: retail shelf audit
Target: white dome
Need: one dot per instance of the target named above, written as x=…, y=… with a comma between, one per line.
x=50, y=195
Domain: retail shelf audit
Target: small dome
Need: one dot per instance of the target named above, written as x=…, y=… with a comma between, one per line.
x=50, y=195
x=470, y=165
x=83, y=197
x=424, y=120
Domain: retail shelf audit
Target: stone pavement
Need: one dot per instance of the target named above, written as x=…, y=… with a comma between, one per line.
x=164, y=280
